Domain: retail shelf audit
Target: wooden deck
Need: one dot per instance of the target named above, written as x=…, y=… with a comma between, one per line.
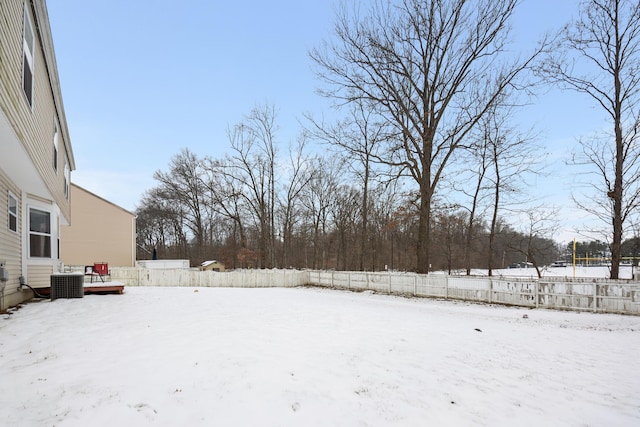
x=104, y=289
x=91, y=289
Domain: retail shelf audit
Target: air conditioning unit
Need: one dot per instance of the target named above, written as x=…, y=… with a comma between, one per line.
x=67, y=286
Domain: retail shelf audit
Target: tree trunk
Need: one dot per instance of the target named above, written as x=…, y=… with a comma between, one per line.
x=424, y=233
x=616, y=244
x=365, y=217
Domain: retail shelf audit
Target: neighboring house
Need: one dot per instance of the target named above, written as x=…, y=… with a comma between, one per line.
x=101, y=232
x=212, y=266
x=36, y=159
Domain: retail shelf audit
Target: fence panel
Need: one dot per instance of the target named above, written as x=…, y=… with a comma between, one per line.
x=378, y=282
x=403, y=283
x=469, y=288
x=431, y=285
x=618, y=298
x=513, y=291
x=566, y=295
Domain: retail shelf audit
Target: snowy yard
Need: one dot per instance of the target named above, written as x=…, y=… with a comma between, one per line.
x=312, y=357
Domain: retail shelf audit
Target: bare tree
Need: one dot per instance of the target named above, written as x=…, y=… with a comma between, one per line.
x=474, y=170
x=535, y=239
x=317, y=199
x=299, y=175
x=345, y=212
x=160, y=226
x=449, y=236
x=383, y=229
x=358, y=137
x=431, y=68
x=599, y=56
x=225, y=192
x=183, y=185
x=253, y=165
x=496, y=159
x=513, y=157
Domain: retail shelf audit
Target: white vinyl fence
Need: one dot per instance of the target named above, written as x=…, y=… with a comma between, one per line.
x=137, y=276
x=597, y=295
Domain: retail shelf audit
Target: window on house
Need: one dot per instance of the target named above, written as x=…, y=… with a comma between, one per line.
x=13, y=213
x=55, y=145
x=66, y=179
x=28, y=41
x=39, y=234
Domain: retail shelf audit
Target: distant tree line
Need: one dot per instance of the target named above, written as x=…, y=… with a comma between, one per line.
x=264, y=207
x=423, y=169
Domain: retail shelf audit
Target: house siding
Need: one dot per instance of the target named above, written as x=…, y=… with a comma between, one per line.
x=35, y=128
x=26, y=152
x=11, y=247
x=40, y=276
x=101, y=232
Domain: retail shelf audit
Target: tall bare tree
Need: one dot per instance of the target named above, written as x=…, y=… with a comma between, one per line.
x=317, y=199
x=224, y=191
x=345, y=213
x=474, y=170
x=160, y=226
x=513, y=157
x=599, y=56
x=535, y=239
x=299, y=174
x=183, y=185
x=253, y=164
x=431, y=67
x=358, y=137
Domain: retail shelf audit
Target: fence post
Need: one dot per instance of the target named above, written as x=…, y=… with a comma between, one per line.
x=490, y=290
x=389, y=282
x=595, y=297
x=446, y=287
x=537, y=292
x=415, y=285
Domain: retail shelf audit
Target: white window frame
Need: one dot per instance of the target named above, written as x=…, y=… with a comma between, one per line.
x=42, y=233
x=11, y=214
x=28, y=54
x=55, y=145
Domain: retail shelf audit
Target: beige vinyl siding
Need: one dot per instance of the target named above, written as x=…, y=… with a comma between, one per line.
x=101, y=232
x=11, y=246
x=31, y=128
x=11, y=94
x=34, y=128
x=40, y=276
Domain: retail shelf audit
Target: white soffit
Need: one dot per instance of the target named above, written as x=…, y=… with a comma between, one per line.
x=16, y=164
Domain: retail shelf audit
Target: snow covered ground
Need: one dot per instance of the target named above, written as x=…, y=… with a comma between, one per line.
x=312, y=357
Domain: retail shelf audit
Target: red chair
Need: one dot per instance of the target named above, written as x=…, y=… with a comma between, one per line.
x=102, y=268
x=99, y=269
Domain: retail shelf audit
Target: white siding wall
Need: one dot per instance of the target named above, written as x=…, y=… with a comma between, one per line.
x=11, y=246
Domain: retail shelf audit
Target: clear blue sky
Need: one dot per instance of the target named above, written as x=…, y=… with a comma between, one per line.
x=142, y=79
